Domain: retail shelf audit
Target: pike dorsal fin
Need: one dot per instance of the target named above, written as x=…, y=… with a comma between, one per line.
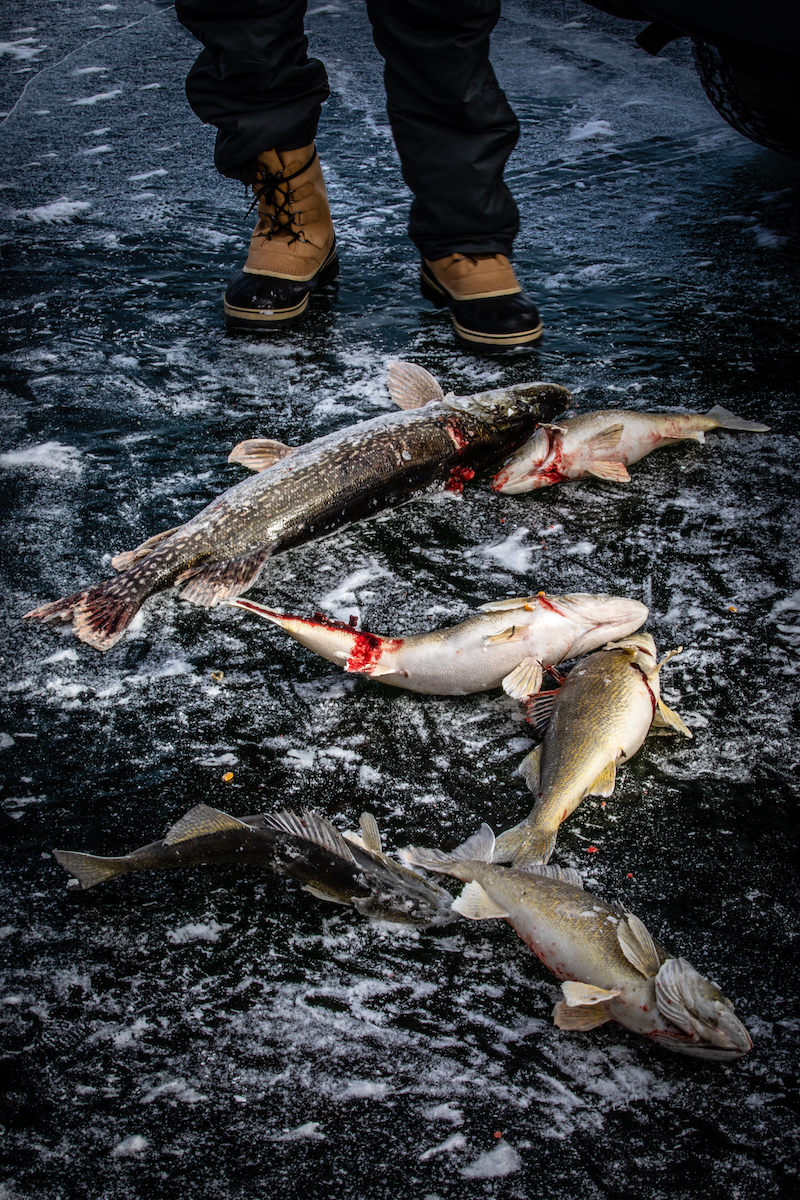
x=614, y=472
x=259, y=453
x=638, y=946
x=121, y=562
x=577, y=993
x=201, y=821
x=370, y=834
x=585, y=1016
x=411, y=386
x=607, y=438
x=310, y=827
x=605, y=782
x=525, y=680
x=477, y=905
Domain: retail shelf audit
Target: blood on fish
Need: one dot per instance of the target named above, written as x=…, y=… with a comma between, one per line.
x=367, y=650
x=458, y=477
x=459, y=437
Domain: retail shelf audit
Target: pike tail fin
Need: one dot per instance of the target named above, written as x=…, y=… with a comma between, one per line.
x=91, y=869
x=99, y=615
x=729, y=420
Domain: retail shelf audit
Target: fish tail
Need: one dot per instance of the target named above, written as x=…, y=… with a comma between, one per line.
x=728, y=420
x=523, y=846
x=91, y=869
x=100, y=615
x=478, y=848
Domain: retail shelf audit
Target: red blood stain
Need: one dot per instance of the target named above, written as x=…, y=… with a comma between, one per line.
x=460, y=439
x=630, y=875
x=367, y=651
x=592, y=850
x=545, y=603
x=458, y=477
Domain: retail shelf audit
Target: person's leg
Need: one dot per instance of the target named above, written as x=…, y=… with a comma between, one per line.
x=255, y=82
x=454, y=130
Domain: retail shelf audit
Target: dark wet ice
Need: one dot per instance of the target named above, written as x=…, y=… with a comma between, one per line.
x=217, y=1032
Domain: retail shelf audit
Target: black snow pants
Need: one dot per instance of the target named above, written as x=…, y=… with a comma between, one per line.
x=453, y=126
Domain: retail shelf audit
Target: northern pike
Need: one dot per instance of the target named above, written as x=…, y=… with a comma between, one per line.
x=436, y=442
x=613, y=970
x=507, y=644
x=342, y=868
x=604, y=444
x=599, y=717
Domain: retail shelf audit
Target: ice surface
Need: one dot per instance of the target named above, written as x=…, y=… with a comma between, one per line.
x=218, y=1033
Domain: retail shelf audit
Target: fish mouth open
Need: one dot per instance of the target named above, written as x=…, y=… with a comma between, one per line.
x=706, y=1025
x=518, y=473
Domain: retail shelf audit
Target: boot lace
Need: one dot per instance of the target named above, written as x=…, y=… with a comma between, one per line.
x=282, y=218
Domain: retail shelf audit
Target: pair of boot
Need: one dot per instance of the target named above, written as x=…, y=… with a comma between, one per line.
x=293, y=252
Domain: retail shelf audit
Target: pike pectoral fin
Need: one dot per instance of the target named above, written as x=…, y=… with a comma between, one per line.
x=606, y=439
x=128, y=558
x=638, y=946
x=476, y=905
x=201, y=821
x=614, y=472
x=605, y=782
x=91, y=869
x=259, y=453
x=666, y=718
x=577, y=994
x=524, y=680
x=322, y=895
x=587, y=1016
x=411, y=386
x=209, y=585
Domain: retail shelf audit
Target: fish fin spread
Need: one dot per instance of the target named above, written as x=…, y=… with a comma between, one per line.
x=99, y=615
x=666, y=718
x=128, y=558
x=91, y=869
x=479, y=847
x=530, y=769
x=638, y=946
x=259, y=453
x=525, y=847
x=323, y=895
x=587, y=1016
x=524, y=680
x=477, y=905
x=614, y=472
x=512, y=634
x=311, y=827
x=209, y=585
x=539, y=709
x=729, y=420
x=562, y=874
x=201, y=821
x=605, y=782
x=411, y=386
x=510, y=603
x=370, y=834
x=577, y=994
x=606, y=439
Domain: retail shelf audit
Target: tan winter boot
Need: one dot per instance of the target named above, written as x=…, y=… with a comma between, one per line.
x=293, y=248
x=490, y=311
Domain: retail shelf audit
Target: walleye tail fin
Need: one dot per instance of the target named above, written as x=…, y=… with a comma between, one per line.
x=99, y=615
x=91, y=869
x=525, y=847
x=728, y=420
x=479, y=847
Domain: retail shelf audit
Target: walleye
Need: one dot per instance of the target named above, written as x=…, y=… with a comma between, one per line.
x=298, y=494
x=341, y=868
x=613, y=970
x=604, y=444
x=507, y=645
x=599, y=717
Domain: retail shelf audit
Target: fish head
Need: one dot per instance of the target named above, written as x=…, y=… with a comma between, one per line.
x=525, y=470
x=599, y=618
x=697, y=1007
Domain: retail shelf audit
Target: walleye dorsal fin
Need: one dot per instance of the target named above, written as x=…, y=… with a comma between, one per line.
x=577, y=993
x=530, y=768
x=411, y=386
x=539, y=709
x=607, y=438
x=605, y=782
x=476, y=905
x=525, y=680
x=259, y=453
x=586, y=1016
x=209, y=585
x=128, y=558
x=666, y=718
x=638, y=946
x=562, y=874
x=477, y=848
x=728, y=420
x=370, y=834
x=310, y=827
x=509, y=603
x=201, y=821
x=614, y=472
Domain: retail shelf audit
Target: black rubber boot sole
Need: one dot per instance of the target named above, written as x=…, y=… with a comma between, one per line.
x=269, y=304
x=487, y=326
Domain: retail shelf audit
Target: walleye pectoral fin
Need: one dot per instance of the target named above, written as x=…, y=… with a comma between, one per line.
x=201, y=821
x=587, y=1016
x=476, y=905
x=524, y=680
x=311, y=827
x=370, y=834
x=577, y=993
x=411, y=386
x=512, y=634
x=121, y=562
x=209, y=585
x=259, y=453
x=638, y=946
x=606, y=439
x=323, y=895
x=530, y=769
x=614, y=472
x=729, y=420
x=510, y=603
x=667, y=718
x=604, y=784
x=539, y=709
x=90, y=869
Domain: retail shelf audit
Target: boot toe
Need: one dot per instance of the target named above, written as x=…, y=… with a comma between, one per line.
x=496, y=323
x=264, y=302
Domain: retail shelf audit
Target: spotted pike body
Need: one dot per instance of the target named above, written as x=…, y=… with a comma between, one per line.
x=301, y=494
